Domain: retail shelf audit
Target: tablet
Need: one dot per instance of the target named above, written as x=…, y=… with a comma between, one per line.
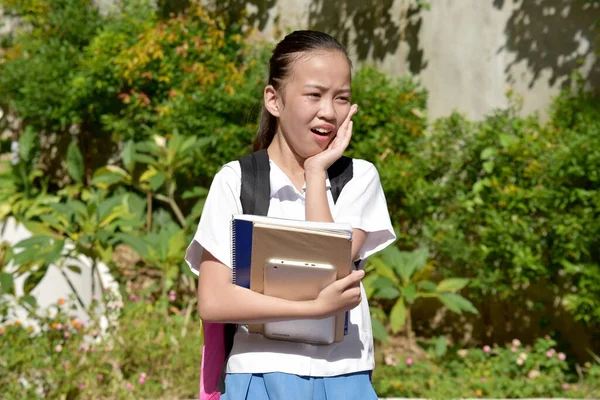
x=296, y=280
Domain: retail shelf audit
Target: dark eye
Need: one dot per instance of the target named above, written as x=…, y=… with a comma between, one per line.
x=315, y=95
x=344, y=99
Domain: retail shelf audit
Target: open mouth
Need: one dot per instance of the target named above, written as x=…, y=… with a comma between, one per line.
x=321, y=132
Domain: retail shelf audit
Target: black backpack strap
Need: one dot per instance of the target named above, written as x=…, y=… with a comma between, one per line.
x=255, y=194
x=340, y=173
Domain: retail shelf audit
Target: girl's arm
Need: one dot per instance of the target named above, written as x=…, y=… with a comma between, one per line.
x=219, y=300
x=315, y=174
x=317, y=206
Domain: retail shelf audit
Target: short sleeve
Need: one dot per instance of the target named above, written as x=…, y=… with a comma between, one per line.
x=362, y=204
x=214, y=232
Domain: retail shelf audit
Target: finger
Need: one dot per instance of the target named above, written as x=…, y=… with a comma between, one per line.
x=351, y=112
x=352, y=278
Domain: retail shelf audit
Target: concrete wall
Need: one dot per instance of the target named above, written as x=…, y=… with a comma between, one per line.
x=467, y=53
x=54, y=285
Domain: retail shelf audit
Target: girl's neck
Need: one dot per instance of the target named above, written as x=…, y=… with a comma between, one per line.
x=290, y=163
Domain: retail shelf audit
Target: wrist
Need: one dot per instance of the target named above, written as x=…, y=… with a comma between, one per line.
x=309, y=309
x=314, y=173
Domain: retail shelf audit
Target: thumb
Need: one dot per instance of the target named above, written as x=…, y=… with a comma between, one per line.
x=353, y=278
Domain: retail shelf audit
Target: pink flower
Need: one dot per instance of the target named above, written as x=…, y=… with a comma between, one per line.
x=58, y=348
x=81, y=386
x=483, y=380
x=116, y=367
x=59, y=327
x=409, y=361
x=100, y=377
x=128, y=386
x=463, y=352
x=94, y=298
x=516, y=342
x=562, y=356
x=134, y=298
x=550, y=353
x=487, y=349
x=390, y=359
x=514, y=349
x=142, y=378
x=66, y=335
x=534, y=373
x=172, y=296
x=566, y=386
x=520, y=361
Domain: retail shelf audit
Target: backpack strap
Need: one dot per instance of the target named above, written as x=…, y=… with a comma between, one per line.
x=255, y=194
x=340, y=173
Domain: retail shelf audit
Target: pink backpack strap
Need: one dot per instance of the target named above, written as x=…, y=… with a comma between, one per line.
x=213, y=357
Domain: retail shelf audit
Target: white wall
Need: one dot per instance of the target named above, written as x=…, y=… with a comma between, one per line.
x=54, y=286
x=467, y=53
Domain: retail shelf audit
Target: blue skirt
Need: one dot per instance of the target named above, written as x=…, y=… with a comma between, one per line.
x=280, y=386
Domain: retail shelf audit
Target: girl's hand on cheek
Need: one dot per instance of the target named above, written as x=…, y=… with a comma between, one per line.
x=323, y=160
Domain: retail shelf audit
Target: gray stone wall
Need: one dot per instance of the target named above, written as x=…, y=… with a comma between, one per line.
x=468, y=53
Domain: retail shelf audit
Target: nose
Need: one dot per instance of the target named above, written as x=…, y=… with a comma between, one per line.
x=327, y=110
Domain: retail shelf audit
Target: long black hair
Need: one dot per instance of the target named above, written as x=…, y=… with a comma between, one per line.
x=285, y=54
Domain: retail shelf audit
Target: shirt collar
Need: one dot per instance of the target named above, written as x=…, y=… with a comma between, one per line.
x=279, y=180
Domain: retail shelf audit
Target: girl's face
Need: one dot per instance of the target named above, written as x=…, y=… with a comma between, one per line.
x=314, y=103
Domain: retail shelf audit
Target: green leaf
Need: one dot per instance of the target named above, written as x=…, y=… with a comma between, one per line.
x=53, y=222
x=27, y=143
x=410, y=293
x=53, y=253
x=487, y=153
x=506, y=140
x=30, y=255
x=35, y=241
x=75, y=268
x=488, y=166
x=383, y=269
x=382, y=282
x=108, y=206
x=198, y=191
x=379, y=332
x=143, y=159
x=30, y=300
x=7, y=283
x=452, y=285
x=106, y=179
x=136, y=243
x=177, y=244
x=411, y=262
x=456, y=303
x=75, y=165
x=441, y=346
x=428, y=286
x=398, y=315
x=129, y=156
x=33, y=279
x=388, y=293
x=157, y=180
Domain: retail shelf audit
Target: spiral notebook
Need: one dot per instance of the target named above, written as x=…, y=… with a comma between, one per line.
x=255, y=239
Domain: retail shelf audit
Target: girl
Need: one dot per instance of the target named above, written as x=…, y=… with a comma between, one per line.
x=305, y=127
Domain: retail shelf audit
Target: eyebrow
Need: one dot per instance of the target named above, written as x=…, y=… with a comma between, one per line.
x=324, y=88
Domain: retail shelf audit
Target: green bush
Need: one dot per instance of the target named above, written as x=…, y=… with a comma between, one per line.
x=511, y=202
x=127, y=74
x=150, y=349
x=511, y=371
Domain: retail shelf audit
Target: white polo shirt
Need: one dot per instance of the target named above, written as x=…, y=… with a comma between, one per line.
x=362, y=204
